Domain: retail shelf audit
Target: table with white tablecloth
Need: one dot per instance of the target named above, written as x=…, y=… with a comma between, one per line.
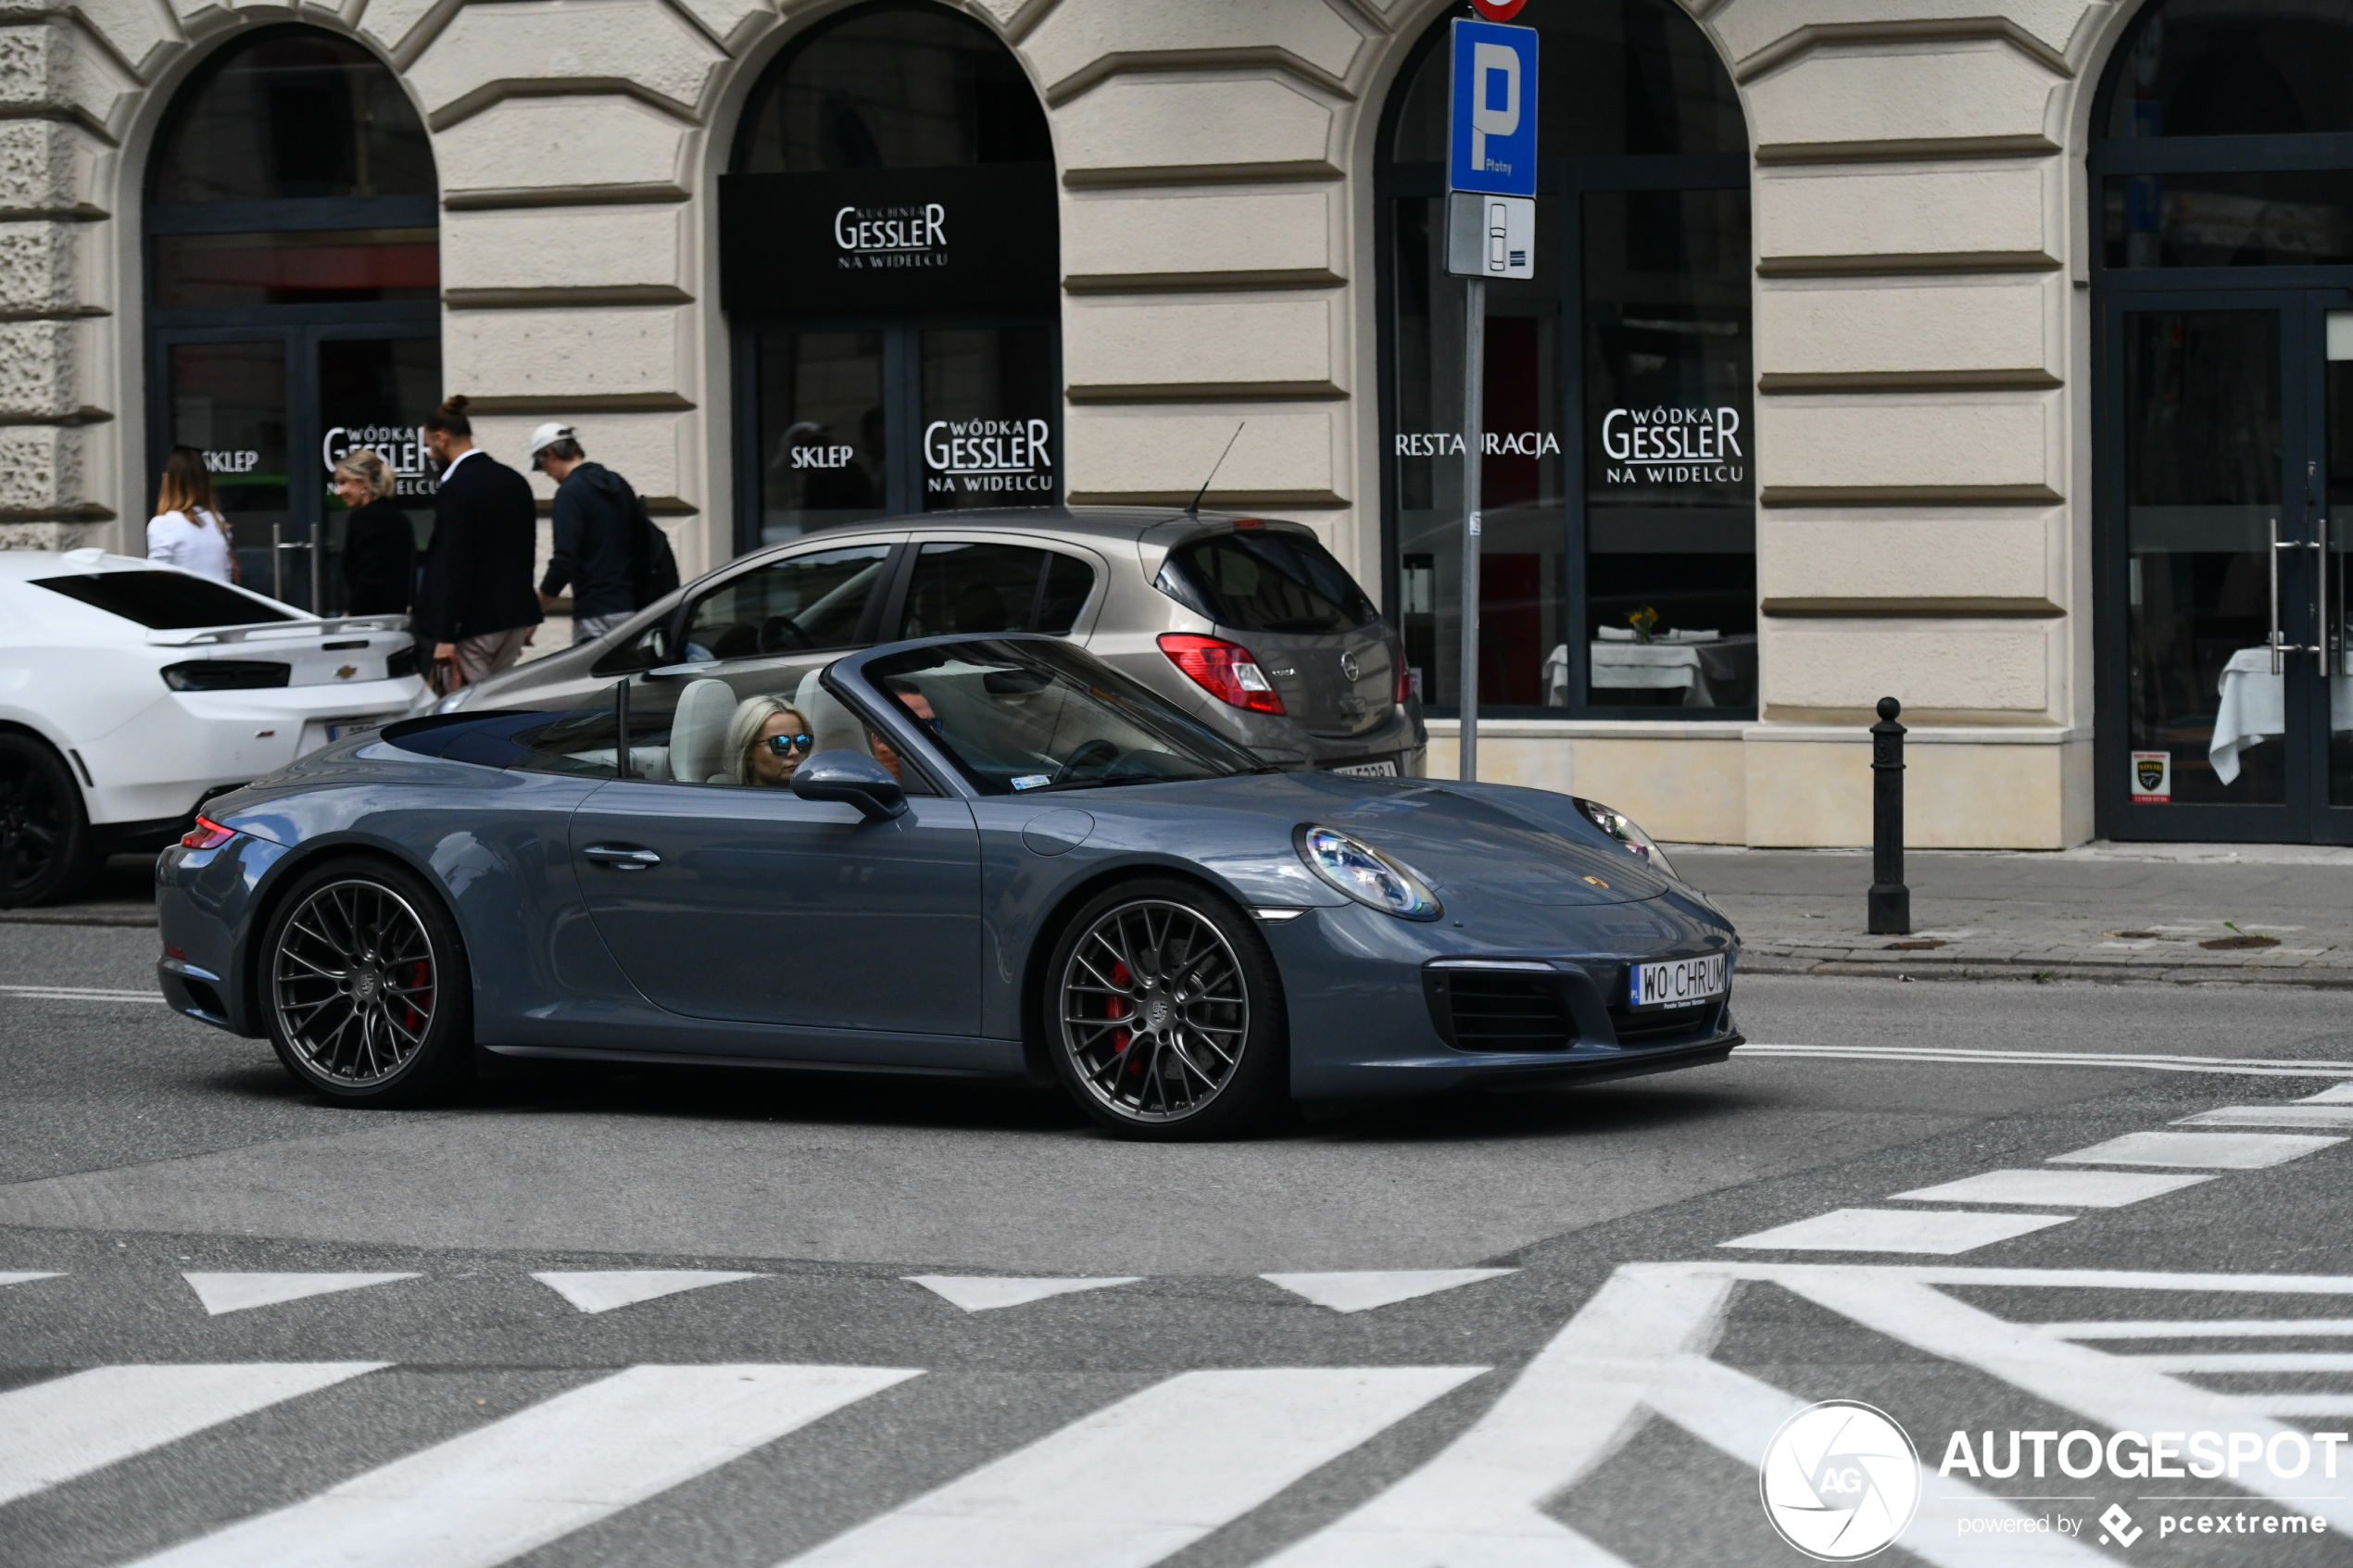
x=1690, y=665
x=2254, y=707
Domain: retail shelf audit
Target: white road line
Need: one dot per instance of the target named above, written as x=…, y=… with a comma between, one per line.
x=2337, y=1095
x=242, y=1292
x=2056, y=1189
x=2314, y=1118
x=69, y=1426
x=987, y=1293
x=2121, y=1393
x=539, y=1475
x=1131, y=1484
x=2252, y=1067
x=2305, y=1405
x=2199, y=1151
x=2199, y=1328
x=1942, y=1233
x=1640, y=1341
x=28, y=1277
x=78, y=994
x=2248, y=1360
x=603, y=1290
x=1362, y=1292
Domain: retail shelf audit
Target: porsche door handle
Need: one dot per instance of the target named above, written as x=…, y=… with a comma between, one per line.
x=622, y=857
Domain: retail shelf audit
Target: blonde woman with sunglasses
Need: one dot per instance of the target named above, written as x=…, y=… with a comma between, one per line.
x=766, y=742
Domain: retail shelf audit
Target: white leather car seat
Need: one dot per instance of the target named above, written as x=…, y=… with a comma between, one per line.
x=832, y=727
x=699, y=732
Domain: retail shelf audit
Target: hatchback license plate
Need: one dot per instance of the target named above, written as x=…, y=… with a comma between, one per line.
x=1384, y=769
x=1677, y=982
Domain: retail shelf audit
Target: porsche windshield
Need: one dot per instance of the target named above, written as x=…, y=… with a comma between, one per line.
x=1021, y=716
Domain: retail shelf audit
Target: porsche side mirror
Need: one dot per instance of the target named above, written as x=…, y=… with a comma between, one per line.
x=853, y=776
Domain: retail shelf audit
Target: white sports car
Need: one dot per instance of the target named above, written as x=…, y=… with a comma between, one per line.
x=130, y=692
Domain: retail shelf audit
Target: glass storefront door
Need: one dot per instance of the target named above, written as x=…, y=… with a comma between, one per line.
x=877, y=419
x=273, y=410
x=2227, y=503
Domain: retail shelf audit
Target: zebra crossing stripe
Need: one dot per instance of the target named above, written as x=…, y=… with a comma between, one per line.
x=1147, y=1477
x=541, y=1474
x=69, y=1426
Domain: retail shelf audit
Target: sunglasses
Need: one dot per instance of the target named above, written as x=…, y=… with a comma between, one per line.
x=789, y=745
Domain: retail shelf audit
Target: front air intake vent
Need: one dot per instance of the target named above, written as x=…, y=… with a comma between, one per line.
x=1496, y=1009
x=1652, y=1025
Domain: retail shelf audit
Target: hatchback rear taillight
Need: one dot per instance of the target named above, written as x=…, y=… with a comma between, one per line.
x=1229, y=672
x=1404, y=675
x=207, y=834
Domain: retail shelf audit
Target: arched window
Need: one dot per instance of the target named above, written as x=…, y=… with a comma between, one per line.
x=2221, y=165
x=1619, y=569
x=293, y=279
x=890, y=266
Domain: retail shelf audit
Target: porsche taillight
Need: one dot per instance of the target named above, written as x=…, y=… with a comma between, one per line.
x=1229, y=672
x=207, y=834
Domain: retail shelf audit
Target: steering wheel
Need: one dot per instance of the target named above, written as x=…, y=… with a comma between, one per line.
x=776, y=629
x=1098, y=754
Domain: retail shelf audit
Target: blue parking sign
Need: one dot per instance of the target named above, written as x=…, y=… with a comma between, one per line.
x=1491, y=112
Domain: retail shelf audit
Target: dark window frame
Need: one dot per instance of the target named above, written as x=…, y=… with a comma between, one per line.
x=299, y=329
x=902, y=343
x=2300, y=297
x=1570, y=180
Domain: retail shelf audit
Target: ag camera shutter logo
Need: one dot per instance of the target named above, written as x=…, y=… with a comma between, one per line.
x=1839, y=1481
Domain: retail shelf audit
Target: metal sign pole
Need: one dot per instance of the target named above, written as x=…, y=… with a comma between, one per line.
x=1490, y=233
x=1473, y=443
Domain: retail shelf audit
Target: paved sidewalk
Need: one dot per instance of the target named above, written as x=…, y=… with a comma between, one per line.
x=2105, y=911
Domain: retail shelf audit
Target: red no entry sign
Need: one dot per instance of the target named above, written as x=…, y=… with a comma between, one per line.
x=1498, y=10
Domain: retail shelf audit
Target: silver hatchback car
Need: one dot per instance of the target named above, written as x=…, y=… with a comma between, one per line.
x=1248, y=623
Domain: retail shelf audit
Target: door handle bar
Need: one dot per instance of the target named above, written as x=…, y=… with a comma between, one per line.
x=622, y=857
x=2279, y=643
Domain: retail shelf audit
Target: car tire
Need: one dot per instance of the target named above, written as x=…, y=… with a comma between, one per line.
x=363, y=984
x=1163, y=1016
x=47, y=852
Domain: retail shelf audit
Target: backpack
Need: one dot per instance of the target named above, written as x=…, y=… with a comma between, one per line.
x=653, y=570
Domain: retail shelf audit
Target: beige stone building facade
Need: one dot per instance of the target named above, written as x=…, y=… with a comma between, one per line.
x=1895, y=225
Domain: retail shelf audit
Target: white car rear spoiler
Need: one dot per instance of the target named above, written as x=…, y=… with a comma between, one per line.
x=269, y=628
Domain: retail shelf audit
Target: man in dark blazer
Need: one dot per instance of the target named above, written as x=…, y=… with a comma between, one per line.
x=475, y=602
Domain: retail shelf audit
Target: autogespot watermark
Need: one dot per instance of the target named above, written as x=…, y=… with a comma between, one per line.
x=1840, y=1481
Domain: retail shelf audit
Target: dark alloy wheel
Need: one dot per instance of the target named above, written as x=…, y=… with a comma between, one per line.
x=45, y=849
x=365, y=986
x=1167, y=1021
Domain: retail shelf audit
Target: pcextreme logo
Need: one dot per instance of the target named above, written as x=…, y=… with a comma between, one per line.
x=1839, y=1481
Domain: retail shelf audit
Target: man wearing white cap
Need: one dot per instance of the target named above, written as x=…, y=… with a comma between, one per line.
x=597, y=526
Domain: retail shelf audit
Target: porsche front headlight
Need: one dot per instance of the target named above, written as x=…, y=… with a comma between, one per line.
x=1365, y=874
x=1624, y=829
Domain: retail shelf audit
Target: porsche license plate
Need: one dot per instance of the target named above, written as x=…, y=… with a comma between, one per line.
x=1384, y=769
x=1677, y=982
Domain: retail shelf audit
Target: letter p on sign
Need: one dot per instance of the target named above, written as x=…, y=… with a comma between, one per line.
x=1492, y=112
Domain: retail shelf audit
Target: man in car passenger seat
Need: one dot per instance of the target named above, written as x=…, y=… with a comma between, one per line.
x=914, y=702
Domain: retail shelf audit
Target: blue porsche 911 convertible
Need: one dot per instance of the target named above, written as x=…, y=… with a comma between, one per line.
x=988, y=857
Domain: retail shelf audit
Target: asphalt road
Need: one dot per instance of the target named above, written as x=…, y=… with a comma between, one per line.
x=1526, y=1340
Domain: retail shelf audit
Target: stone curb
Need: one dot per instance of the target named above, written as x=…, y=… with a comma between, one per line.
x=2098, y=973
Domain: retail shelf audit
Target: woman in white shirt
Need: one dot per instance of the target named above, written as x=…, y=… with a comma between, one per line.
x=188, y=531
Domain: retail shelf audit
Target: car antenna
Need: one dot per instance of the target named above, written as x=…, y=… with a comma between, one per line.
x=1192, y=508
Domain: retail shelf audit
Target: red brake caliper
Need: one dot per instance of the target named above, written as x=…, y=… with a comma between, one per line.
x=1117, y=1008
x=416, y=973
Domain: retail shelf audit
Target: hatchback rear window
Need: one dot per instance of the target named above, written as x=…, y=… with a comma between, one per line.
x=1262, y=581
x=163, y=601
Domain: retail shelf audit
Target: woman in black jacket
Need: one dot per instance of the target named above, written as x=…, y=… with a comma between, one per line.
x=379, y=543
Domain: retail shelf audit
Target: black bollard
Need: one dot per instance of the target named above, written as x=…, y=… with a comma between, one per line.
x=1891, y=900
